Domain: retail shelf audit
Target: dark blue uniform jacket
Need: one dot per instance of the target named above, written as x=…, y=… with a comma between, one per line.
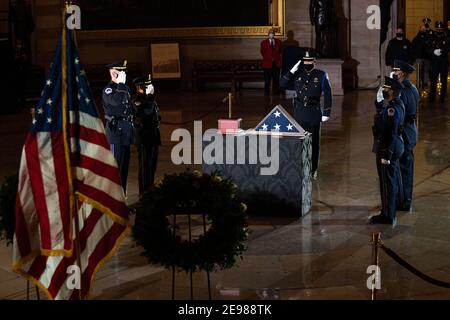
x=118, y=114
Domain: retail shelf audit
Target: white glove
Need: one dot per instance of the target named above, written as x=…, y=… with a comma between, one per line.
x=380, y=97
x=386, y=162
x=391, y=75
x=150, y=89
x=325, y=119
x=437, y=52
x=122, y=78
x=295, y=68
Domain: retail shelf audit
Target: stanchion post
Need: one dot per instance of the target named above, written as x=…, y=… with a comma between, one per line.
x=375, y=259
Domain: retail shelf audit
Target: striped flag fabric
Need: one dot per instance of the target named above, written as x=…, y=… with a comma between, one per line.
x=70, y=208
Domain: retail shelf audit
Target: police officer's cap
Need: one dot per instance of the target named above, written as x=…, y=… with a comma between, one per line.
x=309, y=56
x=393, y=84
x=439, y=25
x=143, y=81
x=118, y=65
x=426, y=20
x=403, y=66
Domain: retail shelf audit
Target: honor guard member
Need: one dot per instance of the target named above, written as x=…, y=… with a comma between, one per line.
x=439, y=48
x=310, y=84
x=426, y=24
x=148, y=137
x=411, y=98
x=420, y=56
x=388, y=147
x=119, y=117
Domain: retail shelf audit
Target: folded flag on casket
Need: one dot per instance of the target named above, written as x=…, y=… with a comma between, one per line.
x=280, y=121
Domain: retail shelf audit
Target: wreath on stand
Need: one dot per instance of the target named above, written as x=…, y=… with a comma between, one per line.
x=8, y=192
x=190, y=193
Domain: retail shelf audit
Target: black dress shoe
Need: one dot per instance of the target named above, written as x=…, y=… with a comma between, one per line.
x=406, y=209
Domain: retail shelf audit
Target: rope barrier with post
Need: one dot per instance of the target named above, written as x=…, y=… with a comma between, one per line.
x=378, y=244
x=375, y=260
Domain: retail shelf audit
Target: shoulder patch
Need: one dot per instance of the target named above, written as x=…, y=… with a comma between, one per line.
x=108, y=90
x=391, y=112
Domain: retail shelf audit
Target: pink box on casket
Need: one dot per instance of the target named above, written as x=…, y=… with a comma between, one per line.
x=229, y=125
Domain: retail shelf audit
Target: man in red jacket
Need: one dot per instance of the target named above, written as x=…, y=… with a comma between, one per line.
x=271, y=64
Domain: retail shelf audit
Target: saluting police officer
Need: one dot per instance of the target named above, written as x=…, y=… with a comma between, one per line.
x=411, y=98
x=388, y=147
x=119, y=117
x=148, y=137
x=310, y=83
x=439, y=48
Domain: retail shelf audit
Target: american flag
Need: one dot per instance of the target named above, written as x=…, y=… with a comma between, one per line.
x=67, y=171
x=280, y=121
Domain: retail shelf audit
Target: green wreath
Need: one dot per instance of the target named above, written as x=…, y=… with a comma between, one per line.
x=192, y=193
x=8, y=192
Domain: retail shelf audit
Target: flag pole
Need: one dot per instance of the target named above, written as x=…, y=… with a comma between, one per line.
x=64, y=107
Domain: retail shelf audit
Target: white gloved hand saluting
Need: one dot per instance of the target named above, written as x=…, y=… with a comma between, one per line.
x=325, y=118
x=122, y=78
x=380, y=96
x=295, y=68
x=437, y=52
x=150, y=89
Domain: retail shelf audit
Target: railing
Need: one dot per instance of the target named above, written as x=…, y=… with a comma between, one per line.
x=378, y=244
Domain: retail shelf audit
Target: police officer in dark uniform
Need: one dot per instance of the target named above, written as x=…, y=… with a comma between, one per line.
x=426, y=23
x=148, y=137
x=438, y=51
x=119, y=117
x=398, y=48
x=388, y=147
x=420, y=55
x=310, y=84
x=411, y=98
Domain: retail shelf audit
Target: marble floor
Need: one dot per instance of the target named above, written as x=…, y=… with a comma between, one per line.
x=322, y=256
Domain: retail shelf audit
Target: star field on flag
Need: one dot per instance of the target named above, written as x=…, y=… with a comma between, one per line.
x=280, y=121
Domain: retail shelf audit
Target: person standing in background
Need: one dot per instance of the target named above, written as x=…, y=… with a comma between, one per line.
x=439, y=48
x=420, y=56
x=426, y=23
x=289, y=42
x=271, y=64
x=398, y=48
x=23, y=25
